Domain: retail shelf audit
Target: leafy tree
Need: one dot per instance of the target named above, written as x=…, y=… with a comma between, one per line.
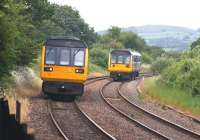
x=18, y=36
x=9, y=19
x=114, y=32
x=39, y=10
x=132, y=41
x=154, y=51
x=161, y=63
x=195, y=43
x=99, y=55
x=146, y=58
x=66, y=21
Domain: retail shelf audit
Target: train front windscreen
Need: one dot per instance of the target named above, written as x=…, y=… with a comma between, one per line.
x=120, y=57
x=64, y=56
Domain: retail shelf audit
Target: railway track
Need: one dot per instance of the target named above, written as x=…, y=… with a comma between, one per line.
x=151, y=122
x=81, y=125
x=55, y=122
x=195, y=119
x=94, y=79
x=107, y=100
x=172, y=124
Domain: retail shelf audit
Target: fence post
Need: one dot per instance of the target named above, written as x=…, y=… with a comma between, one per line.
x=18, y=111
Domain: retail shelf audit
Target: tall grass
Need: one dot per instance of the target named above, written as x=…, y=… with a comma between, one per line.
x=172, y=96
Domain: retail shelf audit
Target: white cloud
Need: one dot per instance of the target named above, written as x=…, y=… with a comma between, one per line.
x=101, y=14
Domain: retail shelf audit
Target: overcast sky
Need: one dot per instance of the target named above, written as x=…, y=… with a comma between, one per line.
x=101, y=14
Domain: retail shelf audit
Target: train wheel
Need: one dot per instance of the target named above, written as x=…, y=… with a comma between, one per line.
x=43, y=92
x=138, y=74
x=115, y=78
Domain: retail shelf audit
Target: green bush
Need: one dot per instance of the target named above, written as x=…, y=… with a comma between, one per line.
x=146, y=58
x=161, y=64
x=95, y=68
x=99, y=56
x=184, y=74
x=179, y=98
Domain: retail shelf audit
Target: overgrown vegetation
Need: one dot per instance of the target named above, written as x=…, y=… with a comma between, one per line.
x=173, y=96
x=180, y=70
x=178, y=83
x=184, y=73
x=25, y=24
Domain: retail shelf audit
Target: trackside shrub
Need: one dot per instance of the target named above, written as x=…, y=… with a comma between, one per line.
x=146, y=58
x=161, y=64
x=99, y=56
x=184, y=74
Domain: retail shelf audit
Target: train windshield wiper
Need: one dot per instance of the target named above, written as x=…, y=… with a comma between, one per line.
x=76, y=52
x=48, y=52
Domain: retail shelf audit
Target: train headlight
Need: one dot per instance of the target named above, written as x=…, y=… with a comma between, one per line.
x=48, y=69
x=79, y=70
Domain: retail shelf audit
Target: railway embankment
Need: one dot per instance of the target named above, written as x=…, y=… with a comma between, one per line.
x=173, y=98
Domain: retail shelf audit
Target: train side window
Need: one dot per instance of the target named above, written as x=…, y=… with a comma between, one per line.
x=50, y=56
x=78, y=56
x=136, y=59
x=64, y=56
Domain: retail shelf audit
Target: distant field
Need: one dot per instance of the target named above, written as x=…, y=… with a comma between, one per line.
x=171, y=49
x=175, y=97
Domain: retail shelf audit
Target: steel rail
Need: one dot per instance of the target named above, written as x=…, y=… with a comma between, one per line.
x=95, y=79
x=130, y=118
x=182, y=113
x=172, y=124
x=83, y=113
x=55, y=122
x=94, y=123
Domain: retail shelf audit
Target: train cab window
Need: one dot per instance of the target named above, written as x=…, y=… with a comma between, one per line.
x=127, y=59
x=78, y=56
x=114, y=59
x=64, y=56
x=50, y=56
x=120, y=59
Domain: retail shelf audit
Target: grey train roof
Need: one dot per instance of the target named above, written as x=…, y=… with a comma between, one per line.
x=65, y=42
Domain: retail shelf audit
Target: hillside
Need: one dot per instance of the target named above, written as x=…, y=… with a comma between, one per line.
x=167, y=37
